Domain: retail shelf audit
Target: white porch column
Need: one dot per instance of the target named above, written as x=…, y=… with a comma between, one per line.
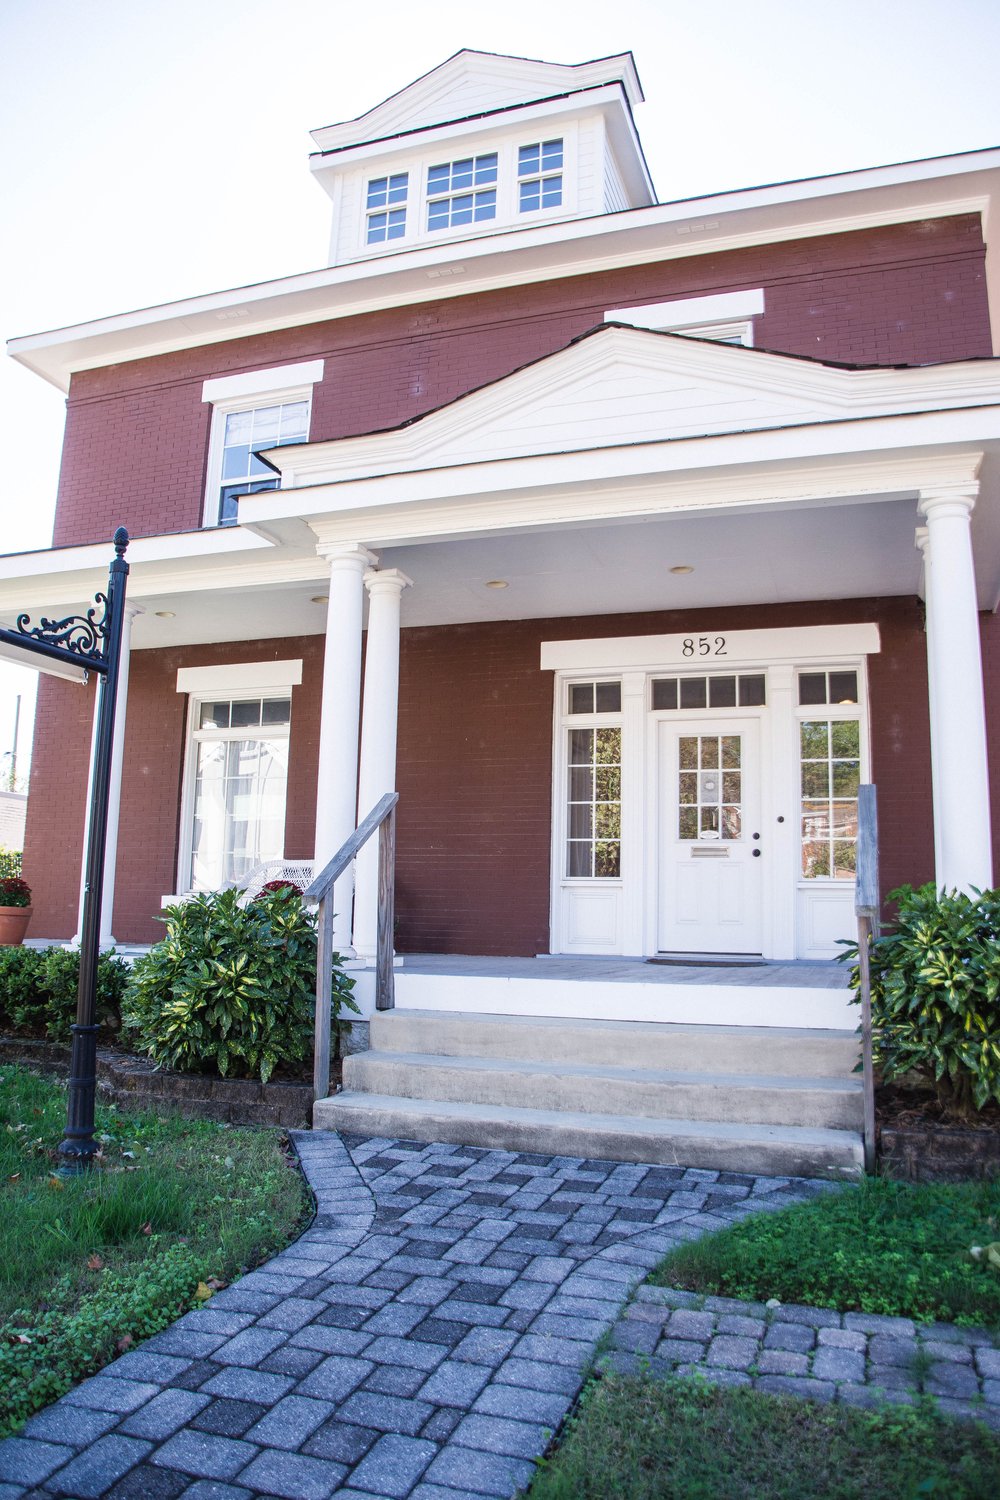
x=962, y=841
x=336, y=788
x=114, y=790
x=378, y=738
x=924, y=549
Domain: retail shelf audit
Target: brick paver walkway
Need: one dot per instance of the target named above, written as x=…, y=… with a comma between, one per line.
x=421, y=1341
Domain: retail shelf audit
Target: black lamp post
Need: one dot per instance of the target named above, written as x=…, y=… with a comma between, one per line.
x=78, y=645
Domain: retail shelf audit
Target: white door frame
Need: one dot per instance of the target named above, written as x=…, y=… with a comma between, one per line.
x=628, y=906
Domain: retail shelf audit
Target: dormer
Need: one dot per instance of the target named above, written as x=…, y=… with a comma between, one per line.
x=481, y=145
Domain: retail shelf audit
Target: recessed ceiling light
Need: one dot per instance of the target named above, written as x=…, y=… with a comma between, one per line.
x=496, y=583
x=165, y=614
x=320, y=599
x=682, y=568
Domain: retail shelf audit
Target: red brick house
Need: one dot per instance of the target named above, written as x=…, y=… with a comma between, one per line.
x=657, y=526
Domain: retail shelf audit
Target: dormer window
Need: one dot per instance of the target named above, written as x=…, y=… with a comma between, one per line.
x=462, y=192
x=539, y=176
x=386, y=208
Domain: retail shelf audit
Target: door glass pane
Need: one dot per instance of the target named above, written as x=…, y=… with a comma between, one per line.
x=688, y=752
x=709, y=799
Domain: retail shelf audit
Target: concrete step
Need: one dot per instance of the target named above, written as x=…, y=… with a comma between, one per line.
x=761, y=1050
x=781, y=1150
x=647, y=1093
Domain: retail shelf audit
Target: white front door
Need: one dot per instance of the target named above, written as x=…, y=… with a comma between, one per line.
x=710, y=837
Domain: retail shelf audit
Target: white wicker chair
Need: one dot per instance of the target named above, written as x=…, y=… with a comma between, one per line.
x=300, y=871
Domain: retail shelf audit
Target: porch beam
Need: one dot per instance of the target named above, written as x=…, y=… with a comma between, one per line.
x=960, y=778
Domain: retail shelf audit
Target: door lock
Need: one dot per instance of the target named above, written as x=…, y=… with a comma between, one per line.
x=755, y=853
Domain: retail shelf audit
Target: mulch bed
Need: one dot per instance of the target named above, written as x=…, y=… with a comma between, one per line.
x=919, y=1141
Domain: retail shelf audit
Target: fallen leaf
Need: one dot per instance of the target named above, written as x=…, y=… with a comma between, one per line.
x=14, y=1177
x=124, y=1343
x=95, y=1263
x=216, y=1284
x=57, y=1183
x=147, y=1228
x=203, y=1291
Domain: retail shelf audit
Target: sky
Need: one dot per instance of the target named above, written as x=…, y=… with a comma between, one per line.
x=155, y=149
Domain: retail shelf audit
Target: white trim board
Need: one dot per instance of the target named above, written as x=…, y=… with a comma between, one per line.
x=795, y=644
x=256, y=383
x=240, y=677
x=715, y=308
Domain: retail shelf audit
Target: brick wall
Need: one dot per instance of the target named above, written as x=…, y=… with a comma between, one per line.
x=474, y=769
x=137, y=433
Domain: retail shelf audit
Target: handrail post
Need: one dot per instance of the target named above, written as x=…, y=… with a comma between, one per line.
x=324, y=987
x=384, y=981
x=867, y=902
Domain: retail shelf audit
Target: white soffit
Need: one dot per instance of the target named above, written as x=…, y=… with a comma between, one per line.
x=792, y=644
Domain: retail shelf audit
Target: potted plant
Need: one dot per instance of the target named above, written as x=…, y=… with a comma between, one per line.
x=15, y=910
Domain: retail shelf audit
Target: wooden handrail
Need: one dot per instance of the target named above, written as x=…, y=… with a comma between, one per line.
x=350, y=848
x=867, y=904
x=383, y=818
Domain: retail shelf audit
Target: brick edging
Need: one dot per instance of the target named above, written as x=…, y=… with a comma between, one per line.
x=134, y=1084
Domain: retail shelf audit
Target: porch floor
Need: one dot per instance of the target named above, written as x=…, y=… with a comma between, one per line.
x=793, y=973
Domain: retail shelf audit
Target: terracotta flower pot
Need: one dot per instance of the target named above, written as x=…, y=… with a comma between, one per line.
x=13, y=925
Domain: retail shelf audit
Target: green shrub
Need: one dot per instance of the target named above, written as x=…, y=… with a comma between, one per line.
x=10, y=863
x=38, y=988
x=232, y=987
x=936, y=994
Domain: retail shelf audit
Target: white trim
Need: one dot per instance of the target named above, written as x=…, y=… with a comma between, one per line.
x=692, y=312
x=796, y=644
x=257, y=383
x=240, y=677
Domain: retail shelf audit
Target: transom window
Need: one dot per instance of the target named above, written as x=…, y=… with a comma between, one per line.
x=244, y=433
x=462, y=192
x=594, y=803
x=539, y=172
x=595, y=697
x=830, y=758
x=709, y=692
x=828, y=687
x=386, y=208
x=240, y=778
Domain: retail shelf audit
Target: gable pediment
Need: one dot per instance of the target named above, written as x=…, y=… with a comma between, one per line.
x=621, y=386
x=474, y=83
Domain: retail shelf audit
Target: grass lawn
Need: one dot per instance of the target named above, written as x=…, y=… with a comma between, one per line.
x=882, y=1247
x=684, y=1439
x=90, y=1266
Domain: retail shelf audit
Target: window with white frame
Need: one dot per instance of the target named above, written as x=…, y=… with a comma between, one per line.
x=593, y=741
x=725, y=317
x=830, y=756
x=252, y=412
x=386, y=208
x=240, y=773
x=462, y=192
x=539, y=176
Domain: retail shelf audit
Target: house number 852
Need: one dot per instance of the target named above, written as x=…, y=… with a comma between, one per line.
x=704, y=645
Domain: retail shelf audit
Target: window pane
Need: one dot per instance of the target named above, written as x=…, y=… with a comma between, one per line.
x=238, y=426
x=609, y=697
x=722, y=692
x=239, y=809
x=843, y=687
x=607, y=860
x=688, y=752
x=732, y=822
x=752, y=691
x=731, y=752
x=236, y=461
x=846, y=778
x=687, y=823
x=293, y=420
x=579, y=859
x=693, y=692
x=687, y=788
x=276, y=711
x=845, y=738
x=731, y=783
x=665, y=692
x=377, y=191
x=844, y=820
x=245, y=714
x=815, y=741
x=581, y=698
x=581, y=747
x=812, y=687
x=608, y=783
x=581, y=820
x=214, y=716
x=845, y=862
x=552, y=192
x=552, y=155
x=581, y=784
x=528, y=159
x=709, y=757
x=816, y=778
x=608, y=820
x=609, y=746
x=816, y=860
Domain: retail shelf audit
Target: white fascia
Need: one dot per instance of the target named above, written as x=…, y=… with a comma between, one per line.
x=912, y=191
x=691, y=312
